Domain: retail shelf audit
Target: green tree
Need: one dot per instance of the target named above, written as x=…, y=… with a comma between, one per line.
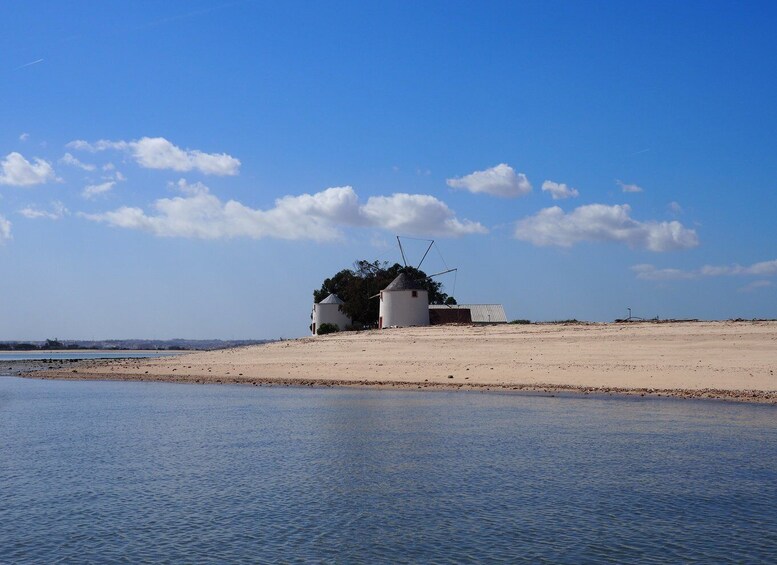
x=359, y=286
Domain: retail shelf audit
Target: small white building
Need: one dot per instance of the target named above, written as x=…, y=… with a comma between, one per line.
x=403, y=303
x=329, y=311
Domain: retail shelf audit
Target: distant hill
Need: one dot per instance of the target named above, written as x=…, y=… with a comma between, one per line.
x=130, y=344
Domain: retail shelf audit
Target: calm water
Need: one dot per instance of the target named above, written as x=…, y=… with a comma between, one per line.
x=134, y=472
x=68, y=355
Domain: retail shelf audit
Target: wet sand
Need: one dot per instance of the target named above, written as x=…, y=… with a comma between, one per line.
x=725, y=360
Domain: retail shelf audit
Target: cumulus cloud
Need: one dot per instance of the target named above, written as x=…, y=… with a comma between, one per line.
x=93, y=190
x=56, y=212
x=320, y=216
x=501, y=180
x=628, y=187
x=416, y=214
x=761, y=269
x=159, y=153
x=24, y=137
x=5, y=230
x=559, y=191
x=68, y=159
x=599, y=222
x=15, y=170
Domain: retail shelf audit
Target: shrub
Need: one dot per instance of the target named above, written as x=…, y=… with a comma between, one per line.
x=327, y=328
x=521, y=322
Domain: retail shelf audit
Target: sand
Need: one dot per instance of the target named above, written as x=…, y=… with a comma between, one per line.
x=728, y=360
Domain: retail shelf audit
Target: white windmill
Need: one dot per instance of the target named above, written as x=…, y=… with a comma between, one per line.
x=329, y=311
x=404, y=302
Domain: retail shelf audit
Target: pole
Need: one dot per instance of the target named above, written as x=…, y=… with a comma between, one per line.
x=402, y=251
x=425, y=254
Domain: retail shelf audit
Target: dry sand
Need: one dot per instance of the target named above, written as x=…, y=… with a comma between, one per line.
x=731, y=360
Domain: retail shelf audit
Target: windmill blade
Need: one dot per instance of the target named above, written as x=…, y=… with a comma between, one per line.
x=425, y=254
x=402, y=251
x=442, y=273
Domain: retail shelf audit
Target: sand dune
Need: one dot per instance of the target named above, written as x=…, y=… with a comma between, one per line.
x=735, y=360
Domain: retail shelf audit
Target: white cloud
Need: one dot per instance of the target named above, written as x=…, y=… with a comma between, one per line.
x=199, y=214
x=651, y=273
x=599, y=222
x=24, y=137
x=186, y=187
x=56, y=212
x=501, y=180
x=94, y=190
x=763, y=268
x=5, y=230
x=15, y=170
x=159, y=153
x=559, y=191
x=68, y=159
x=758, y=269
x=675, y=208
x=319, y=216
x=755, y=285
x=628, y=187
x=102, y=145
x=417, y=214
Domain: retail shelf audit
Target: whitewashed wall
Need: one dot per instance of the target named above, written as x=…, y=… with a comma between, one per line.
x=329, y=314
x=400, y=308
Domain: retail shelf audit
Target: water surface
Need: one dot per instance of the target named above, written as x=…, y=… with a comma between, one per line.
x=118, y=471
x=76, y=354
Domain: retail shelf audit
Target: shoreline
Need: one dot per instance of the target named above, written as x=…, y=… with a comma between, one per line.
x=748, y=396
x=734, y=360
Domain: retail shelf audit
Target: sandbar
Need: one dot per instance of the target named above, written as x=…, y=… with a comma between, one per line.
x=732, y=360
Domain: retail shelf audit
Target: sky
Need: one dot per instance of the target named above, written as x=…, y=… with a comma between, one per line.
x=196, y=169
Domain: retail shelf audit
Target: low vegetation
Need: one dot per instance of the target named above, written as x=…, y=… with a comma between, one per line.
x=327, y=328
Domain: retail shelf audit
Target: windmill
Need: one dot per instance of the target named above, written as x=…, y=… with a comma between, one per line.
x=404, y=302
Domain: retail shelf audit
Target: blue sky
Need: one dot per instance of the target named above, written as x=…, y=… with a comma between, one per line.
x=196, y=169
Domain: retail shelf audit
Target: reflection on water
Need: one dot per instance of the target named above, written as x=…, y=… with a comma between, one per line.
x=101, y=471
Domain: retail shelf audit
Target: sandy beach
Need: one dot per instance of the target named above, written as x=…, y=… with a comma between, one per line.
x=729, y=360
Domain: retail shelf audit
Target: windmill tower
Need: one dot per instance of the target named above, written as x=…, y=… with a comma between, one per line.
x=329, y=311
x=404, y=302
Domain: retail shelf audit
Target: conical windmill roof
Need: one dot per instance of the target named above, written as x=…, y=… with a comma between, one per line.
x=403, y=282
x=332, y=299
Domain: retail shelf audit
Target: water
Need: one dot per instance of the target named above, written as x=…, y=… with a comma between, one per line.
x=77, y=355
x=149, y=472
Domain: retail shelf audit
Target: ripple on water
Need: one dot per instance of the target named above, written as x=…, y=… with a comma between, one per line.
x=109, y=472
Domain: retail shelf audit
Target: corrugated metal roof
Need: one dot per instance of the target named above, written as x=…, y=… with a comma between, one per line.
x=480, y=313
x=332, y=299
x=403, y=282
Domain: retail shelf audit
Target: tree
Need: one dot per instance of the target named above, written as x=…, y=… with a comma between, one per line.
x=358, y=288
x=53, y=344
